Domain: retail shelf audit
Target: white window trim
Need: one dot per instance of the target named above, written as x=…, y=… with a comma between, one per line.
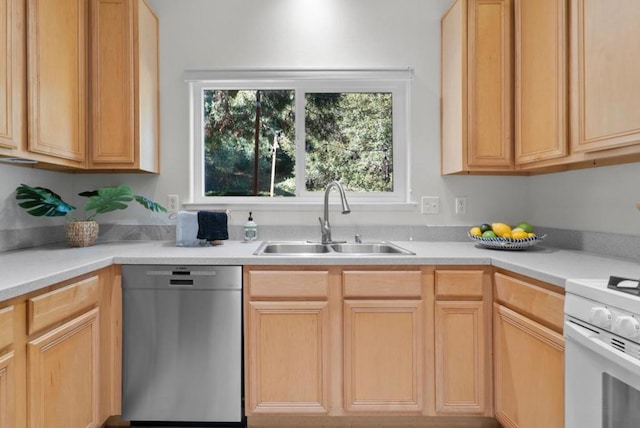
x=396, y=81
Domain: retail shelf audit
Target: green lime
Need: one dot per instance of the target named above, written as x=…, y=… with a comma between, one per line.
x=489, y=234
x=525, y=226
x=485, y=227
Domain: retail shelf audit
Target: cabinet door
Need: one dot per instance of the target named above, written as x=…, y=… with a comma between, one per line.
x=476, y=80
x=57, y=78
x=605, y=69
x=124, y=83
x=490, y=80
x=12, y=73
x=112, y=84
x=529, y=372
x=461, y=356
x=7, y=392
x=383, y=355
x=287, y=351
x=541, y=94
x=63, y=375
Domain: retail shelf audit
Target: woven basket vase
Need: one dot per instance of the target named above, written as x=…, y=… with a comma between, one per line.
x=82, y=233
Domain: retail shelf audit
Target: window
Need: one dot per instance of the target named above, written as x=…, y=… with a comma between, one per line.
x=278, y=136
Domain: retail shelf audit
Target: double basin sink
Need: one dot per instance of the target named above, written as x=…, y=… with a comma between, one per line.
x=303, y=248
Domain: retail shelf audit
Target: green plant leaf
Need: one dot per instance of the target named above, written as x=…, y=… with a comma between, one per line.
x=109, y=199
x=89, y=193
x=149, y=204
x=42, y=202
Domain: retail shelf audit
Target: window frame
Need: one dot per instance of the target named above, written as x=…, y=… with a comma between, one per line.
x=395, y=81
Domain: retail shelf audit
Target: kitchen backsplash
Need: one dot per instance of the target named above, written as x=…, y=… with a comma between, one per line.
x=607, y=244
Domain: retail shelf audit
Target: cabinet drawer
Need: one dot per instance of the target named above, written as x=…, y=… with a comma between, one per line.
x=6, y=326
x=544, y=306
x=450, y=283
x=267, y=284
x=50, y=308
x=406, y=284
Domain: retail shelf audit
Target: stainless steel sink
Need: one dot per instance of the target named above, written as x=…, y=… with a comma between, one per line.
x=302, y=248
x=292, y=248
x=369, y=248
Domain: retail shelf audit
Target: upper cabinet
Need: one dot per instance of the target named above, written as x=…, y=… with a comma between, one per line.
x=66, y=109
x=12, y=74
x=57, y=78
x=124, y=86
x=576, y=96
x=476, y=85
x=605, y=70
x=541, y=80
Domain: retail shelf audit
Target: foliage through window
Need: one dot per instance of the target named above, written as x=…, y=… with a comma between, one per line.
x=289, y=138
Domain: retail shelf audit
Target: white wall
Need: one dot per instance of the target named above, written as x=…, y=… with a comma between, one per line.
x=349, y=34
x=332, y=34
x=13, y=217
x=598, y=199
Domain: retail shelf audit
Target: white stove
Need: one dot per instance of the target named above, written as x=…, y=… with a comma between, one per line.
x=602, y=353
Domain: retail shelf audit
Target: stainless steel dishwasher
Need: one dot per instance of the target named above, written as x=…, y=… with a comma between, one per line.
x=182, y=344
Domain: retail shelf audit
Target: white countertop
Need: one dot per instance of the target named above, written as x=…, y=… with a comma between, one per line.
x=29, y=270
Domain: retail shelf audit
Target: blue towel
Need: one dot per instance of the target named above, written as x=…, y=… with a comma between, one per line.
x=212, y=226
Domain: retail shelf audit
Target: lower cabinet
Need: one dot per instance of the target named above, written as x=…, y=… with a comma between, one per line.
x=286, y=341
x=333, y=341
x=383, y=341
x=462, y=342
x=59, y=354
x=448, y=345
x=288, y=357
x=7, y=368
x=529, y=354
x=63, y=375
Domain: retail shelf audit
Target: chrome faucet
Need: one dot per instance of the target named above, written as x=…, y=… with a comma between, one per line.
x=325, y=227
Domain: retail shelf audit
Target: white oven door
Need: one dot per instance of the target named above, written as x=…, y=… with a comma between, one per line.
x=602, y=384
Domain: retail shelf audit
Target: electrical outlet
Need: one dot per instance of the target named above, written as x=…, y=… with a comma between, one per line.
x=173, y=203
x=430, y=205
x=461, y=205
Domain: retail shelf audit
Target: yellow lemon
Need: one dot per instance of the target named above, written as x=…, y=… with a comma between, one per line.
x=501, y=229
x=506, y=235
x=520, y=235
x=475, y=231
x=517, y=229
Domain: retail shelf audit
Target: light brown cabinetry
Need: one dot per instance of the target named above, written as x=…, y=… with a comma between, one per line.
x=63, y=374
x=463, y=341
x=12, y=75
x=57, y=78
x=476, y=87
x=383, y=341
x=124, y=86
x=541, y=80
x=59, y=353
x=7, y=369
x=75, y=116
x=605, y=68
x=528, y=354
x=287, y=341
x=334, y=341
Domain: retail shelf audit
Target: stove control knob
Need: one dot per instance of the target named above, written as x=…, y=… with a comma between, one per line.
x=600, y=317
x=627, y=326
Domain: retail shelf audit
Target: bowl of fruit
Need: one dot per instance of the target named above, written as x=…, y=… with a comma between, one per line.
x=501, y=236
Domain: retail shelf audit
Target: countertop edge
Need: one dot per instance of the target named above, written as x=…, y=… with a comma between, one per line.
x=29, y=270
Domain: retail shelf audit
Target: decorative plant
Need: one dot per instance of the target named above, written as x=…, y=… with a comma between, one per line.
x=40, y=201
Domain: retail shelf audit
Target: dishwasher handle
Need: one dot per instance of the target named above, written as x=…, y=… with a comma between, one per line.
x=180, y=282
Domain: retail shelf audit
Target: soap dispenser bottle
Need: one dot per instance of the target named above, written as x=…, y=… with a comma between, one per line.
x=250, y=229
